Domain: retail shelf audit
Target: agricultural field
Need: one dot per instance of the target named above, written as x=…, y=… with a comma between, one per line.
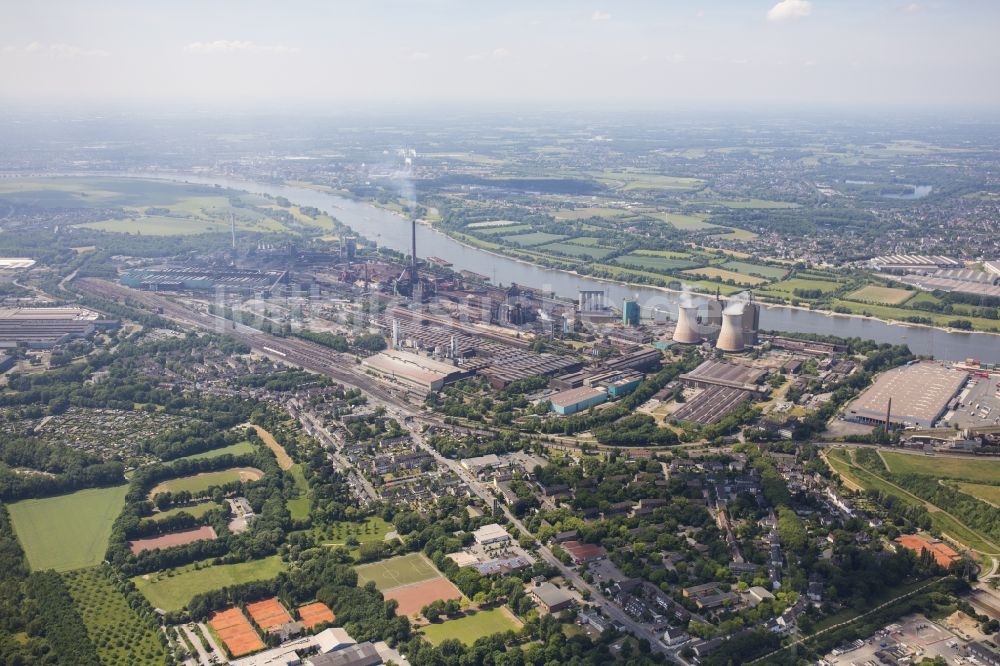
x=684, y=222
x=490, y=224
x=496, y=231
x=396, y=571
x=881, y=295
x=157, y=225
x=668, y=254
x=574, y=250
x=372, y=529
x=118, y=633
x=586, y=213
x=534, y=238
x=67, y=532
x=199, y=483
x=941, y=467
x=172, y=589
x=659, y=264
x=237, y=449
x=471, y=628
x=747, y=203
x=787, y=288
x=769, y=272
x=711, y=272
x=981, y=491
x=196, y=510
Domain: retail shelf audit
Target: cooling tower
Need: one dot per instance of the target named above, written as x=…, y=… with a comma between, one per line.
x=731, y=335
x=687, y=325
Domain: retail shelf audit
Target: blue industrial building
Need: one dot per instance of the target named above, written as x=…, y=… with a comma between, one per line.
x=577, y=400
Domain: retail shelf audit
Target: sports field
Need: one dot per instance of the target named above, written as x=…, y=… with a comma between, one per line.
x=236, y=632
x=171, y=539
x=881, y=295
x=315, y=613
x=237, y=449
x=268, y=613
x=198, y=483
x=172, y=589
x=471, y=628
x=412, y=598
x=396, y=571
x=941, y=467
x=196, y=510
x=67, y=532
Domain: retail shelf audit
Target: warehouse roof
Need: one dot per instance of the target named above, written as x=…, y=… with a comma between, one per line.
x=573, y=396
x=920, y=393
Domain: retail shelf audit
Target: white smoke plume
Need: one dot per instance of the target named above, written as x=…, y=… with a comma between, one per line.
x=736, y=304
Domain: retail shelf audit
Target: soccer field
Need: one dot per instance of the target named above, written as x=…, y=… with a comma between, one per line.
x=471, y=628
x=67, y=532
x=172, y=589
x=396, y=571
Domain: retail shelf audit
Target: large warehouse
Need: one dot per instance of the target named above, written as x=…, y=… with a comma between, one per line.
x=920, y=394
x=413, y=370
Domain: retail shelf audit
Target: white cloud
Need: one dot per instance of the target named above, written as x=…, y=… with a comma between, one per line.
x=912, y=8
x=418, y=55
x=235, y=45
x=501, y=52
x=60, y=49
x=600, y=16
x=789, y=9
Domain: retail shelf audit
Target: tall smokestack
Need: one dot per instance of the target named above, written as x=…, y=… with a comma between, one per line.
x=731, y=335
x=413, y=257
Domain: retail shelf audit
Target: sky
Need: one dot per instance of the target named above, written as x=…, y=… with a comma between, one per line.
x=313, y=55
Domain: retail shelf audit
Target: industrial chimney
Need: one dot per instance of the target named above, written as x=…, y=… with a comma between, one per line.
x=731, y=335
x=687, y=325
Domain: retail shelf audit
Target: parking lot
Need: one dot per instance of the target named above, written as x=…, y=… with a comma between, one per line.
x=915, y=635
x=980, y=405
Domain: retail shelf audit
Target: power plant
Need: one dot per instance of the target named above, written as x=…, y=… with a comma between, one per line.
x=687, y=332
x=731, y=334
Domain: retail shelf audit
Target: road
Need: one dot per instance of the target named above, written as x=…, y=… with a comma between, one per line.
x=343, y=368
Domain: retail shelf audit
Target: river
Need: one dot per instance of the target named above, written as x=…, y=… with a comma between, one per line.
x=391, y=230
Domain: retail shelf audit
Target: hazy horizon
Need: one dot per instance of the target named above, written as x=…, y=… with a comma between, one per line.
x=313, y=57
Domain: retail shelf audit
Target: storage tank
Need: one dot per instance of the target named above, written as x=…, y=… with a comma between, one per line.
x=731, y=335
x=687, y=325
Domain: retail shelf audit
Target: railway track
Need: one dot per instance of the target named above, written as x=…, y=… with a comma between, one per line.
x=303, y=353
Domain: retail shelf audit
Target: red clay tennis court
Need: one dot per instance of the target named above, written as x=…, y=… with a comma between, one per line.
x=235, y=630
x=413, y=597
x=268, y=613
x=315, y=614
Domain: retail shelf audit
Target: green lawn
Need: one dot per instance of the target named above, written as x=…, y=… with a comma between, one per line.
x=747, y=203
x=585, y=213
x=788, y=287
x=120, y=635
x=172, y=589
x=396, y=571
x=299, y=506
x=67, y=532
x=982, y=492
x=710, y=272
x=237, y=449
x=199, y=483
x=688, y=222
x=963, y=469
x=881, y=295
x=196, y=510
x=157, y=225
x=471, y=628
x=496, y=231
